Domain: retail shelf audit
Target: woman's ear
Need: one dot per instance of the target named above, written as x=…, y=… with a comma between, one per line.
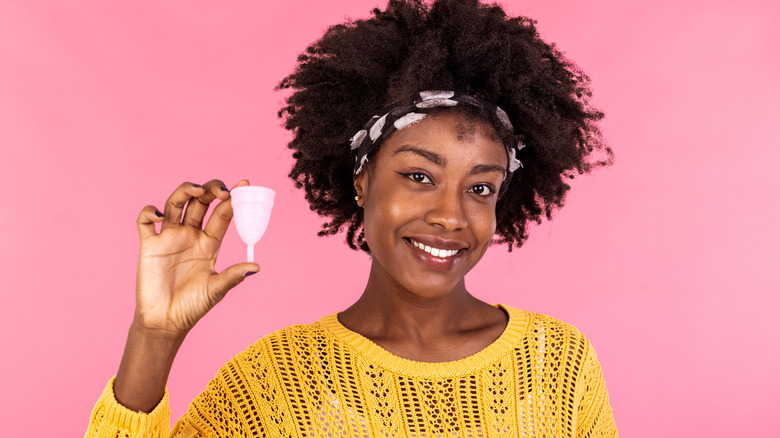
x=360, y=188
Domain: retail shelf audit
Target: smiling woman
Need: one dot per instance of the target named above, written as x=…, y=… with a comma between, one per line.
x=473, y=125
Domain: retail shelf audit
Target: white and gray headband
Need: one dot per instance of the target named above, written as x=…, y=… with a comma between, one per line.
x=399, y=117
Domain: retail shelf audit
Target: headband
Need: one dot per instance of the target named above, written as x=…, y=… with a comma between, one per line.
x=401, y=116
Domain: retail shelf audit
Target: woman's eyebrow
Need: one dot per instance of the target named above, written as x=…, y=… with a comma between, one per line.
x=441, y=161
x=428, y=155
x=486, y=168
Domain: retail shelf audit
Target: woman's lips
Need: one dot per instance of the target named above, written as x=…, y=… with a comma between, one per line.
x=444, y=259
x=436, y=252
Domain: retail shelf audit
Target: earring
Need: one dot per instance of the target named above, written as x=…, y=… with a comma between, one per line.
x=357, y=198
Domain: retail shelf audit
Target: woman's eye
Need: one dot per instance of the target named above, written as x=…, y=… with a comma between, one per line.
x=482, y=189
x=418, y=177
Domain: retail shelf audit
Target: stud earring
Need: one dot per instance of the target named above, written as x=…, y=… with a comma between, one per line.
x=357, y=198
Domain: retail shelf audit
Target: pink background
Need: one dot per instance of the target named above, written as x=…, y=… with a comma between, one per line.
x=668, y=260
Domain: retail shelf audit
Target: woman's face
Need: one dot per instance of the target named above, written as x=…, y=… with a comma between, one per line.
x=429, y=201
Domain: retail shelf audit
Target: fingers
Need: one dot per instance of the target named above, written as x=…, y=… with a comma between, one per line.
x=197, y=207
x=219, y=221
x=229, y=278
x=146, y=220
x=176, y=202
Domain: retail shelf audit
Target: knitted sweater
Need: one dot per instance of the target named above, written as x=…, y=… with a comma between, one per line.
x=540, y=378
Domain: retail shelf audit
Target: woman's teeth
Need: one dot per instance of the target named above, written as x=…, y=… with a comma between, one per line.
x=436, y=252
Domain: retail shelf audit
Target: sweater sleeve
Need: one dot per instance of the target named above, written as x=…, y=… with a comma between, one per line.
x=217, y=411
x=111, y=419
x=594, y=414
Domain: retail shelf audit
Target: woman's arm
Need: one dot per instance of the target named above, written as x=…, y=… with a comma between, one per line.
x=146, y=363
x=175, y=287
x=594, y=414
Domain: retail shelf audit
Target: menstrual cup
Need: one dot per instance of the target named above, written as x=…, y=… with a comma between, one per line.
x=251, y=210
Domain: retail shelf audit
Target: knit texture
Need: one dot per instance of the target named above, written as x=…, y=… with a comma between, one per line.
x=540, y=378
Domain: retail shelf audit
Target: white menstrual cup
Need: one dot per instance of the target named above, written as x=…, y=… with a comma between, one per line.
x=251, y=210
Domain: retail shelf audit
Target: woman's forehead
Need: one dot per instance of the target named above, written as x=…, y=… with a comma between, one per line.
x=467, y=123
x=449, y=134
x=448, y=126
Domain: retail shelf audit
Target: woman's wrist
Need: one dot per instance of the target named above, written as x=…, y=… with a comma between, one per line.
x=146, y=363
x=154, y=335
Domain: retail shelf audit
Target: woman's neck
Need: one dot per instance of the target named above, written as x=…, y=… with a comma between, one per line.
x=436, y=327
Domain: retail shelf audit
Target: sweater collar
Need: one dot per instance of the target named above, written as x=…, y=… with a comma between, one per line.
x=516, y=329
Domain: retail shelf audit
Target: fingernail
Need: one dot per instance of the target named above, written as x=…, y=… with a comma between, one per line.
x=247, y=274
x=197, y=185
x=157, y=213
x=223, y=188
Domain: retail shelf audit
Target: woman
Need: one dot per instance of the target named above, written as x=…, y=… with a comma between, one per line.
x=473, y=123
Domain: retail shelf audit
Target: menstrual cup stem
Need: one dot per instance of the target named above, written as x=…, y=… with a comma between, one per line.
x=250, y=253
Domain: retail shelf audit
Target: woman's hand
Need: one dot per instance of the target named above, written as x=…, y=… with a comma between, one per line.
x=176, y=286
x=176, y=283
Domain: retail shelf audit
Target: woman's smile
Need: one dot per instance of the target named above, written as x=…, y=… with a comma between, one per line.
x=438, y=259
x=435, y=251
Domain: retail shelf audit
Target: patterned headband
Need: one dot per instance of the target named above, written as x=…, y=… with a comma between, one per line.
x=399, y=117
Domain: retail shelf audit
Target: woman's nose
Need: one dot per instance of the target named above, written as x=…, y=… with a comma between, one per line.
x=447, y=211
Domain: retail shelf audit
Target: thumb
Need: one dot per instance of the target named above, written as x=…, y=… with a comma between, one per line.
x=230, y=277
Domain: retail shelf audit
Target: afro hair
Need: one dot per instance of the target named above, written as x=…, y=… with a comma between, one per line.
x=361, y=67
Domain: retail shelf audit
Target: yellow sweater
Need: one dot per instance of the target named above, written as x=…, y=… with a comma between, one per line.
x=540, y=378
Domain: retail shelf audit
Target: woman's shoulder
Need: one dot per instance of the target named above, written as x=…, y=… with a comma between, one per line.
x=553, y=342
x=544, y=328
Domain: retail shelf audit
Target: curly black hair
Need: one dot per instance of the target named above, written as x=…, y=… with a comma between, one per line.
x=361, y=67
